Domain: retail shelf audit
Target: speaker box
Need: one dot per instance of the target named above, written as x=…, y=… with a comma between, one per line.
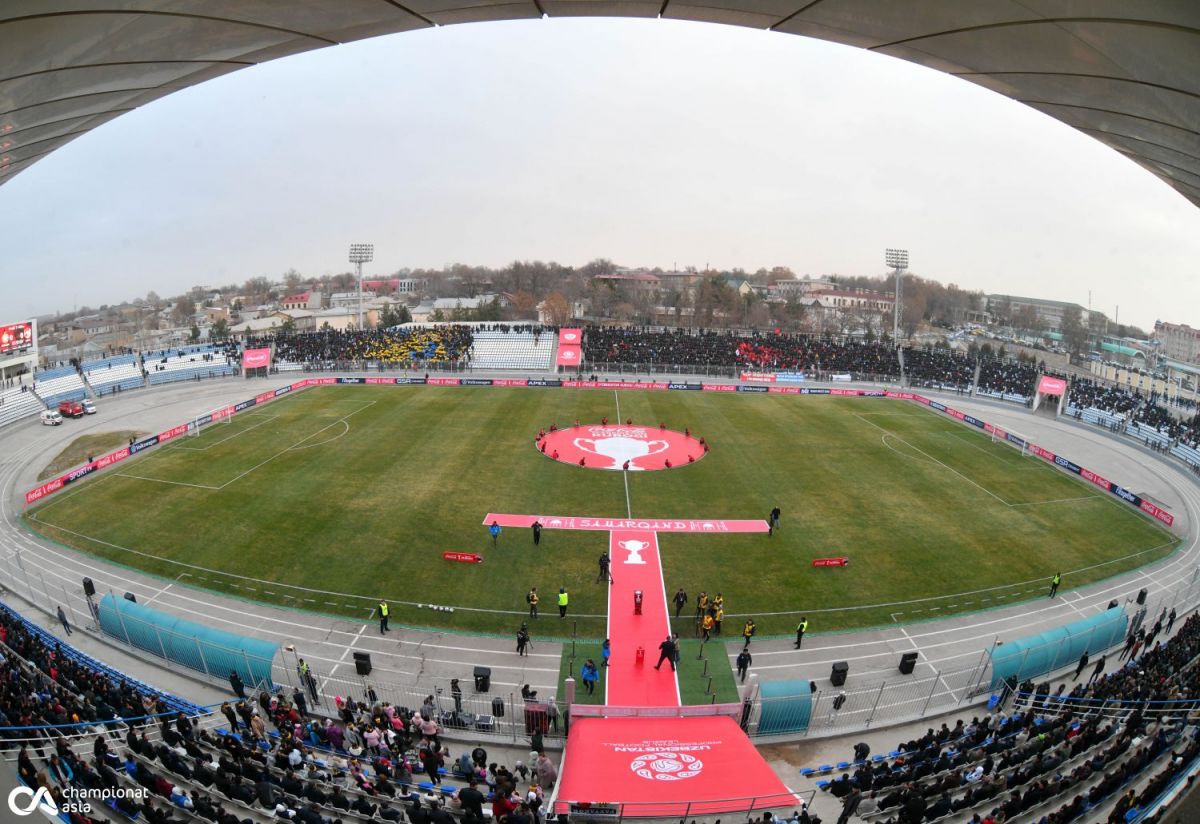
x=838, y=676
x=1113, y=604
x=129, y=596
x=89, y=589
x=1141, y=599
x=483, y=679
x=362, y=663
x=908, y=662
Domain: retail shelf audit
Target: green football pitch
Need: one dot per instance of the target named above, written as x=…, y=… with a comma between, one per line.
x=331, y=498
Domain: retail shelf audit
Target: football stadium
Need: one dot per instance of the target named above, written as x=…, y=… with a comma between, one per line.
x=444, y=571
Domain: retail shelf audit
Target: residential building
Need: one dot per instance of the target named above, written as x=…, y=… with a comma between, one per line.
x=310, y=300
x=1177, y=341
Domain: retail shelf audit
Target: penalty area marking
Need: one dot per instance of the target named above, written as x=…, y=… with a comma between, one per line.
x=265, y=420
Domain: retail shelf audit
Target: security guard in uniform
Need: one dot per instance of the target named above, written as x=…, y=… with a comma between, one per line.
x=383, y=617
x=562, y=602
x=1054, y=582
x=801, y=628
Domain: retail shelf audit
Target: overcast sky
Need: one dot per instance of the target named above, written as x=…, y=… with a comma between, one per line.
x=650, y=142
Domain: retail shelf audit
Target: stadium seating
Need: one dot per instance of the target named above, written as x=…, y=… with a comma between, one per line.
x=57, y=385
x=15, y=405
x=189, y=363
x=521, y=350
x=118, y=373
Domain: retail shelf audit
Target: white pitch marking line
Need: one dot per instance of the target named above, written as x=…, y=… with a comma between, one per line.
x=935, y=460
x=294, y=446
x=349, y=646
x=920, y=654
x=163, y=481
x=266, y=419
x=624, y=473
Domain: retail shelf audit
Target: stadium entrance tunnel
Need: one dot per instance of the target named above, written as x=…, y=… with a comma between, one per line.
x=1125, y=74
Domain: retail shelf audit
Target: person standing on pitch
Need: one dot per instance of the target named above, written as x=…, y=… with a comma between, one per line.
x=801, y=628
x=532, y=599
x=1054, y=582
x=680, y=599
x=382, y=609
x=604, y=574
x=743, y=664
x=563, y=600
x=537, y=533
x=494, y=531
x=522, y=639
x=666, y=652
x=775, y=517
x=748, y=632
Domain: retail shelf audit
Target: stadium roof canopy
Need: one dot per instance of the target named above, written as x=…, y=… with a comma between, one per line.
x=1127, y=73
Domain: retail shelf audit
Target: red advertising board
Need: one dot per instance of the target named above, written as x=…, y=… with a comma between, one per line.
x=828, y=562
x=761, y=377
x=570, y=337
x=720, y=387
x=1051, y=386
x=256, y=358
x=569, y=355
x=1041, y=452
x=463, y=557
x=1098, y=480
x=173, y=432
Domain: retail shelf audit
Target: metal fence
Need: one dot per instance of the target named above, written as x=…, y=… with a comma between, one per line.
x=707, y=811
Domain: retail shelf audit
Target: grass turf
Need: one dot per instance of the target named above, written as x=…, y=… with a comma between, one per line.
x=346, y=494
x=84, y=447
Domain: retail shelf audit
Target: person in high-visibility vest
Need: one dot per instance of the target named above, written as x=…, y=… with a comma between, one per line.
x=383, y=617
x=748, y=631
x=801, y=628
x=1054, y=582
x=562, y=602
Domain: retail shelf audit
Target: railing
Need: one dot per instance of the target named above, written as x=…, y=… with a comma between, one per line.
x=723, y=809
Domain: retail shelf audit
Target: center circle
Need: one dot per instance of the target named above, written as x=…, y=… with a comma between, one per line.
x=621, y=447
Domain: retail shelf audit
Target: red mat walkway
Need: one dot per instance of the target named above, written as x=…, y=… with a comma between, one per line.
x=636, y=567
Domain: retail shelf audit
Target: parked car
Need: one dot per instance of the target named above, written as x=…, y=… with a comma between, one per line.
x=88, y=407
x=71, y=409
x=50, y=417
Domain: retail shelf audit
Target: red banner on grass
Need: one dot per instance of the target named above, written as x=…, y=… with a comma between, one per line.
x=828, y=562
x=463, y=557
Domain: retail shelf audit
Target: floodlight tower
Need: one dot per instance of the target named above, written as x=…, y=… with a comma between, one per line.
x=361, y=253
x=897, y=259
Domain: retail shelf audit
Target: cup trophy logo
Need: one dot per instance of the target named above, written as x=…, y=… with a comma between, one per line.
x=620, y=449
x=635, y=551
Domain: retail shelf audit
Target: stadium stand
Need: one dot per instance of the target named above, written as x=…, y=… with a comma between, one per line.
x=409, y=346
x=606, y=348
x=190, y=363
x=505, y=347
x=59, y=384
x=1141, y=416
x=118, y=373
x=18, y=403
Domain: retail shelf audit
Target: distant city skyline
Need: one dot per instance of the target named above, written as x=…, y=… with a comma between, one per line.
x=648, y=142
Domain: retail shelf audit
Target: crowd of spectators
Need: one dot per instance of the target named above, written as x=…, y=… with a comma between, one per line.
x=1135, y=408
x=954, y=369
x=681, y=347
x=415, y=345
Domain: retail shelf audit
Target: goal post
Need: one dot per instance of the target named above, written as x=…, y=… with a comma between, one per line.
x=1021, y=443
x=208, y=419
